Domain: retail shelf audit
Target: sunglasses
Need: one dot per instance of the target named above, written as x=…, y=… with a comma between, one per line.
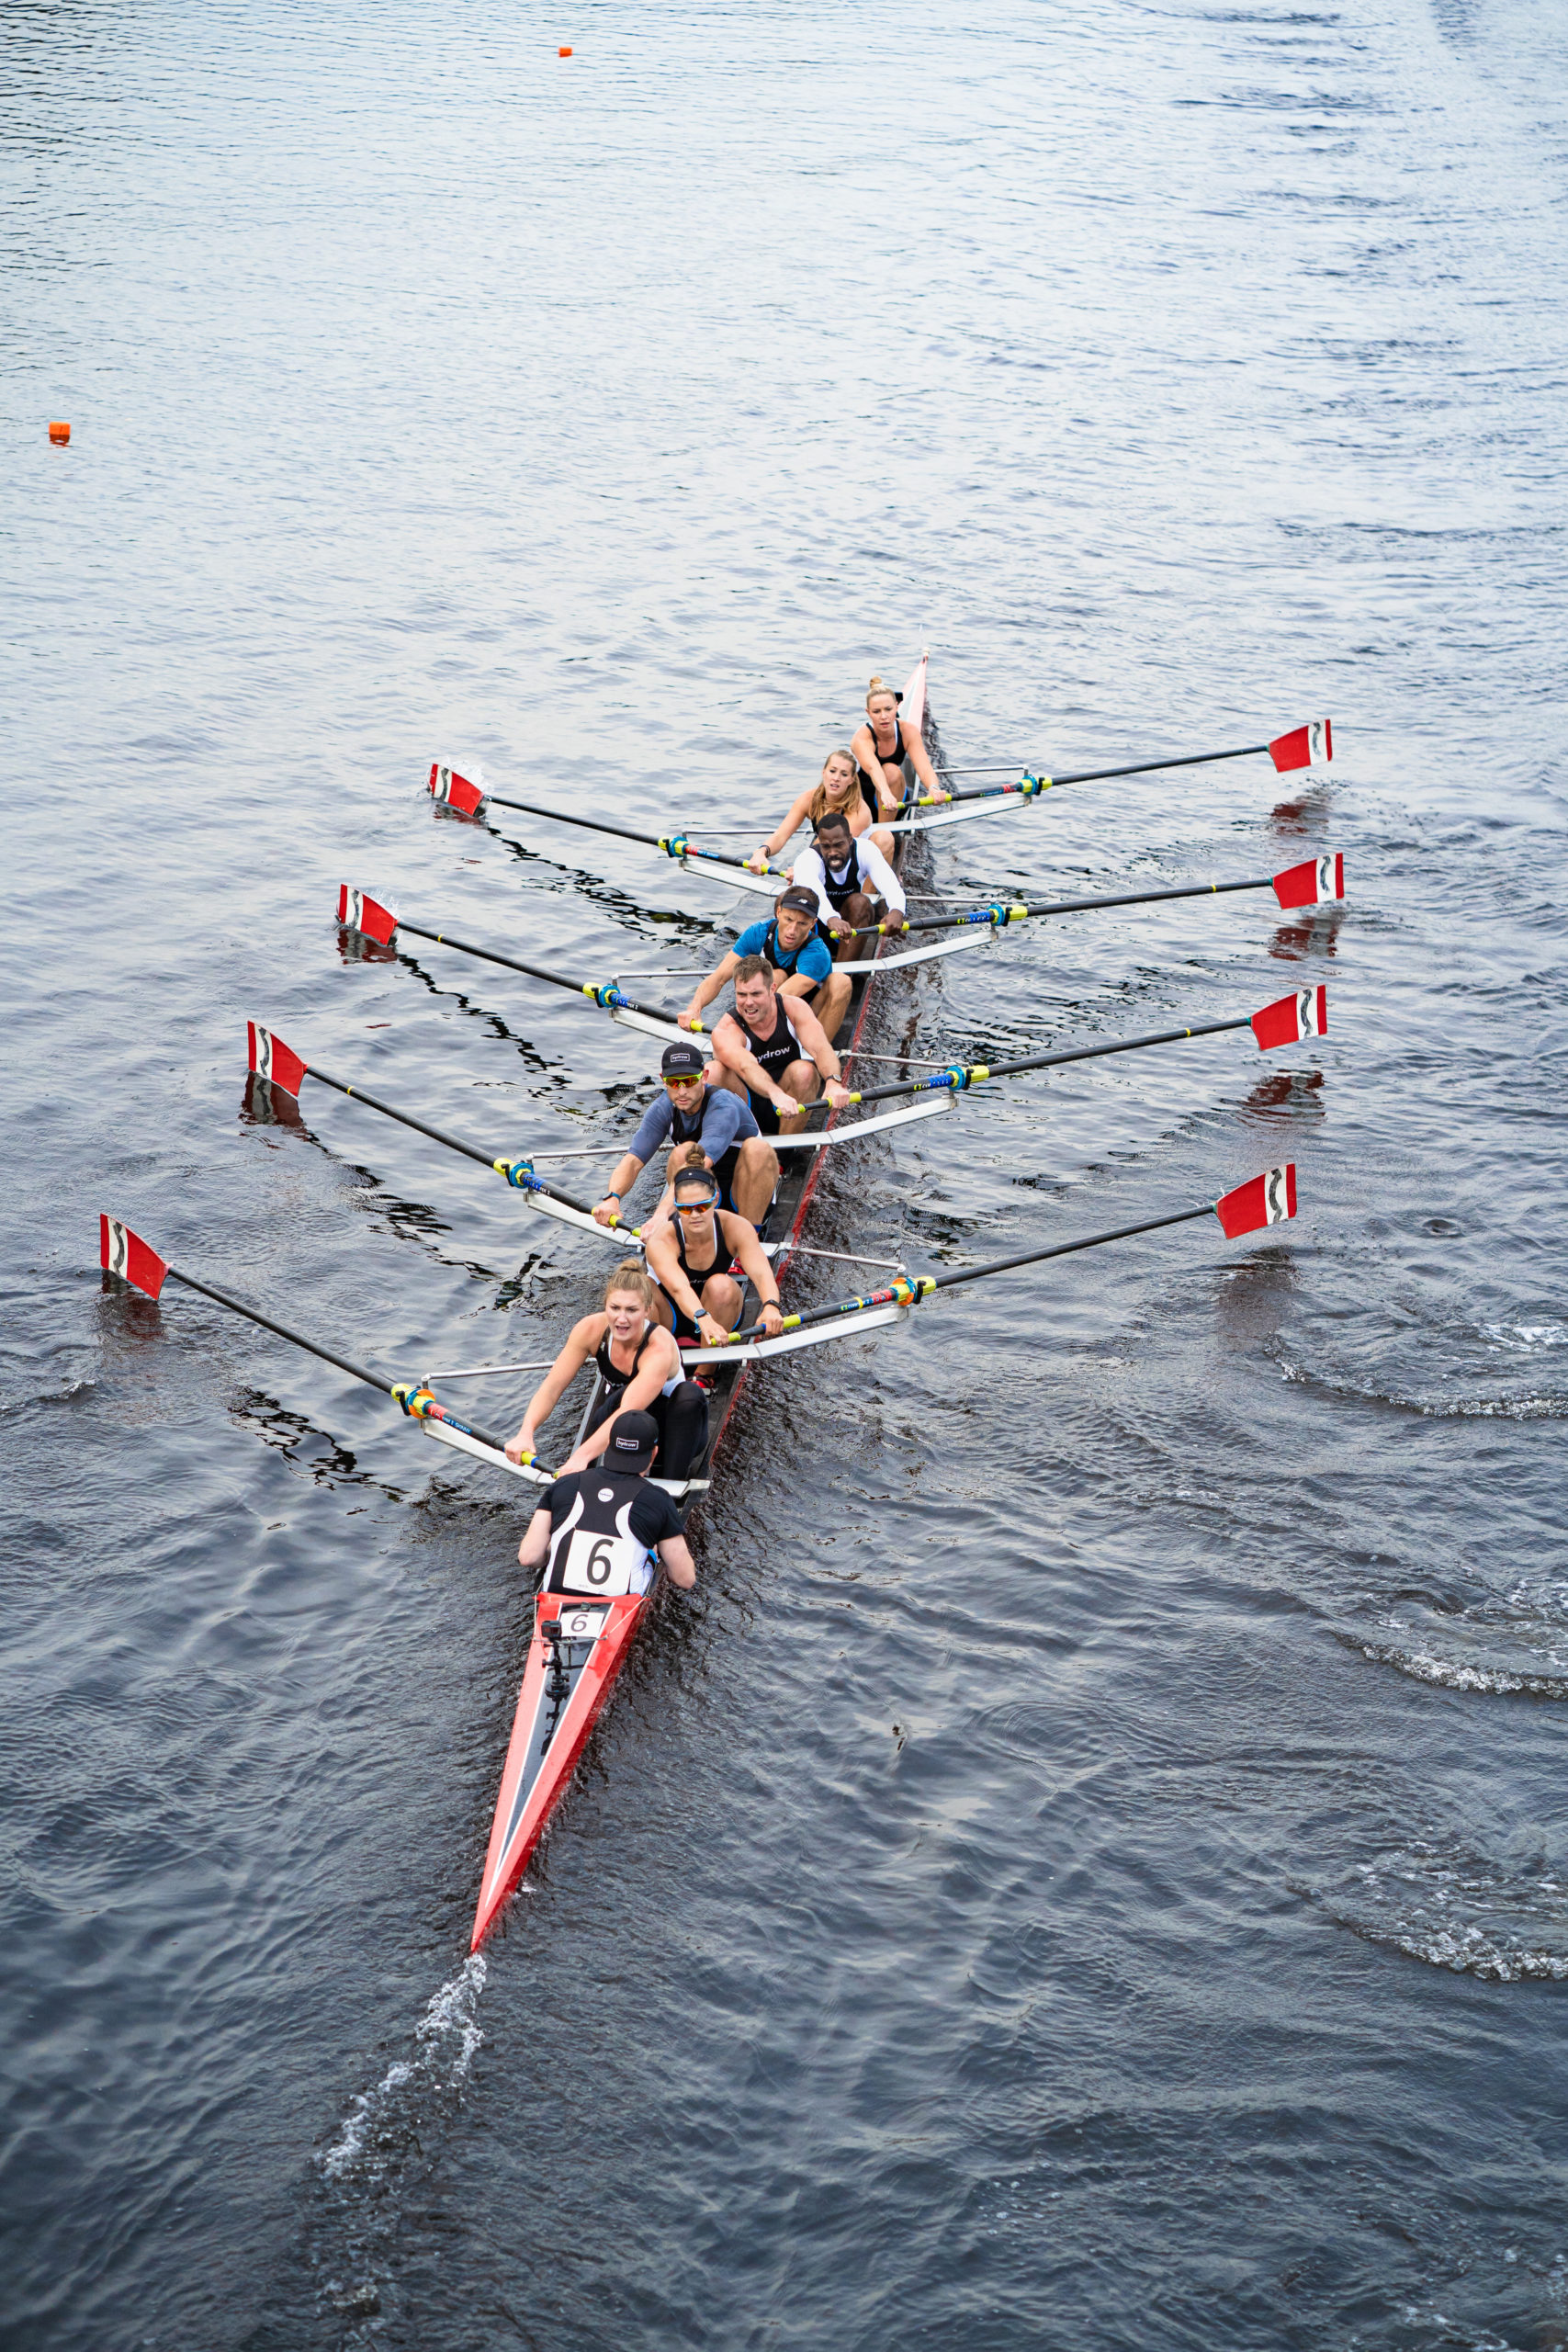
x=682, y=1083
x=698, y=1208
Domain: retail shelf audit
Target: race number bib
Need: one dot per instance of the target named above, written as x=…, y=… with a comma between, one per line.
x=605, y=1566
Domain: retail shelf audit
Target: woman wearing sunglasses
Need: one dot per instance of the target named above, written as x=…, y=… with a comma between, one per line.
x=690, y=1257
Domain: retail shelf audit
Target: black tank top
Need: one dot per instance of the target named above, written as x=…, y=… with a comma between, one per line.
x=775, y=1053
x=776, y=957
x=617, y=1382
x=837, y=892
x=717, y=1264
x=868, y=784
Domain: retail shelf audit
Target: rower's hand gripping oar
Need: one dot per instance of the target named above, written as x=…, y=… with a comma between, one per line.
x=278, y=1063
x=1262, y=1200
x=357, y=910
x=1303, y=747
x=1317, y=881
x=1286, y=1022
x=454, y=791
x=125, y=1254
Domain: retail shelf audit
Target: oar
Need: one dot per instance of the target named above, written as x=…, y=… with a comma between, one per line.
x=1263, y=1200
x=1313, y=883
x=357, y=910
x=278, y=1063
x=1301, y=748
x=1284, y=1023
x=133, y=1260
x=454, y=791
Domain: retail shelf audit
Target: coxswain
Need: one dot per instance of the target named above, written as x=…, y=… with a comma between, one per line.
x=689, y=1255
x=774, y=1047
x=598, y=1532
x=640, y=1370
x=881, y=747
x=848, y=791
x=801, y=960
x=853, y=883
x=689, y=1110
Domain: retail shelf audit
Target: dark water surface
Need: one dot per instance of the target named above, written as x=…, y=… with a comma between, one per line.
x=1090, y=1867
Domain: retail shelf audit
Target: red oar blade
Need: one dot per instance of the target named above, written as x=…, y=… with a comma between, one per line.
x=271, y=1059
x=1304, y=747
x=357, y=910
x=1308, y=884
x=124, y=1253
x=1292, y=1018
x=1264, y=1200
x=454, y=791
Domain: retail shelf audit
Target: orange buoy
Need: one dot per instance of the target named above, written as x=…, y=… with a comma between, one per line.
x=563, y=53
x=59, y=434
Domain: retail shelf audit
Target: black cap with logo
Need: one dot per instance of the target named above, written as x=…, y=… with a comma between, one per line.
x=682, y=1061
x=634, y=1441
x=797, y=896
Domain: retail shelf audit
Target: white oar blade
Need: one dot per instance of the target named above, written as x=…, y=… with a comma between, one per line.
x=271, y=1059
x=651, y=1026
x=1292, y=1018
x=1315, y=880
x=977, y=936
x=1304, y=746
x=736, y=878
x=1265, y=1200
x=357, y=910
x=460, y=1441
x=454, y=791
x=875, y=1318
x=1006, y=804
x=124, y=1253
x=932, y=1110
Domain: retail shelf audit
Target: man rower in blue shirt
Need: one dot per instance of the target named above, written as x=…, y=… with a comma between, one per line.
x=745, y=1167
x=801, y=958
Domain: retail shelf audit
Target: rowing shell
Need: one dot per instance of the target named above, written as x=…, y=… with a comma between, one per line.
x=568, y=1678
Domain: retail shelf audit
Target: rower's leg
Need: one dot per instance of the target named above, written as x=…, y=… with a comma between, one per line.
x=755, y=1180
x=685, y=1431
x=831, y=1003
x=882, y=839
x=856, y=910
x=721, y=1299
x=799, y=1079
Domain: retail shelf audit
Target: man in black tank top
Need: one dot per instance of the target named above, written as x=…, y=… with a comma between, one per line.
x=774, y=1049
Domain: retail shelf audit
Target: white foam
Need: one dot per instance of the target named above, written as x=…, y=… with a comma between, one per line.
x=449, y=2012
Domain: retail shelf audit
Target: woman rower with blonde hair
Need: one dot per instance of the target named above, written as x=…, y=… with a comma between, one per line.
x=881, y=747
x=843, y=790
x=639, y=1370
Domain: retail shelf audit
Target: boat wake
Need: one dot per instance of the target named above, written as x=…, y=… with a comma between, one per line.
x=1466, y=1915
x=1516, y=1647
x=376, y=2129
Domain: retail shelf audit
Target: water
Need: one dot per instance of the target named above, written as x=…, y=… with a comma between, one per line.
x=1090, y=1866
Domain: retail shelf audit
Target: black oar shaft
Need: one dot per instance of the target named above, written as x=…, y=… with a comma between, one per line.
x=437, y=1134
x=1102, y=775
x=533, y=971
x=622, y=833
x=282, y=1331
x=327, y=1355
x=1053, y=1061
x=1074, y=906
x=1065, y=1248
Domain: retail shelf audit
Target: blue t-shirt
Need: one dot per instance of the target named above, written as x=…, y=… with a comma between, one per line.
x=814, y=958
x=725, y=1119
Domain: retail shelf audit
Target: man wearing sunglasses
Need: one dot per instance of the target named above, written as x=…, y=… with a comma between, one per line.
x=689, y=1257
x=744, y=1167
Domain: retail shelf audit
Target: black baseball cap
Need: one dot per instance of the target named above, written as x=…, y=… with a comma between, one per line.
x=682, y=1061
x=634, y=1441
x=797, y=896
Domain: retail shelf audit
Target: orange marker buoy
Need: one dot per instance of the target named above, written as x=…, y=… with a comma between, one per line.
x=563, y=53
x=59, y=434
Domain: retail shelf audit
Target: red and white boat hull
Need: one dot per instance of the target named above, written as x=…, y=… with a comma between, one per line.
x=565, y=1684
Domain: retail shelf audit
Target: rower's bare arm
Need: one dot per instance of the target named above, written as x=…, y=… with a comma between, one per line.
x=920, y=759
x=798, y=985
x=741, y=1240
x=628, y=1167
x=715, y=984
x=784, y=831
x=553, y=1387
x=812, y=1038
x=674, y=1554
x=534, y=1550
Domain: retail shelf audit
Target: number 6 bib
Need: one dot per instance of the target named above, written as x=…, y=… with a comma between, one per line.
x=606, y=1564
